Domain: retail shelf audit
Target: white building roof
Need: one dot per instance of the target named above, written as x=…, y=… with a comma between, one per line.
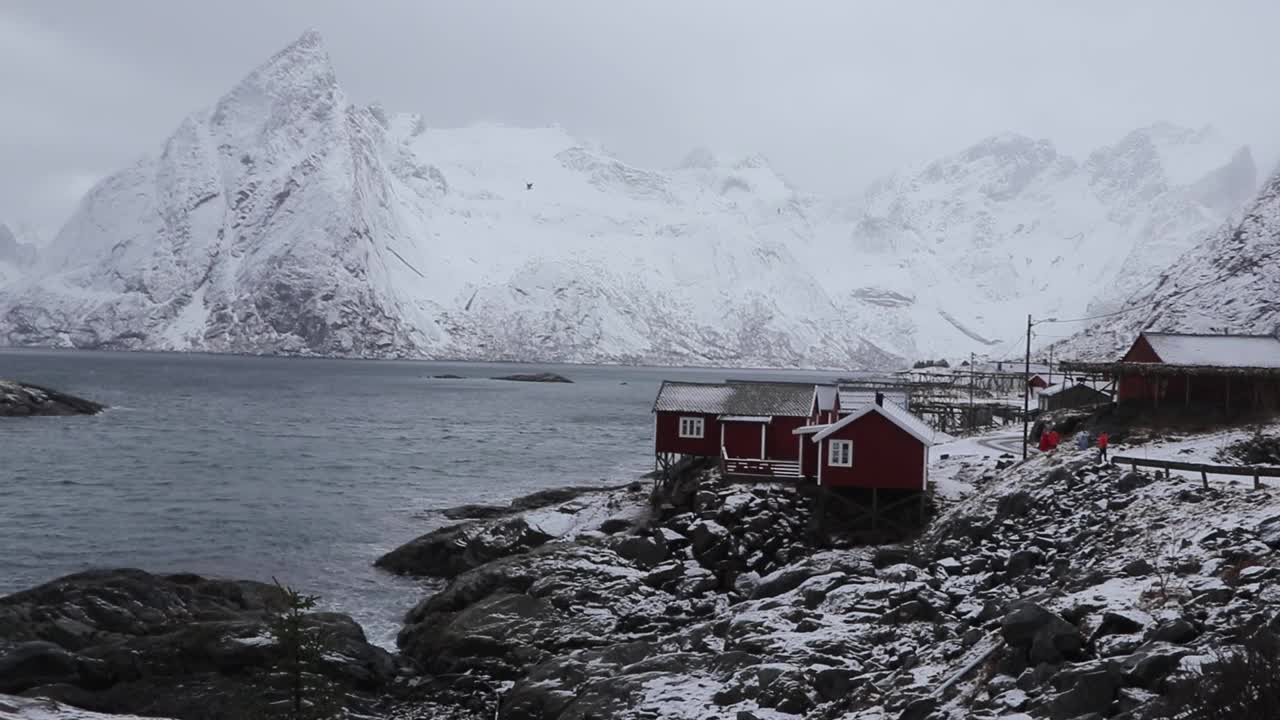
x=735, y=398
x=826, y=396
x=913, y=425
x=1255, y=351
x=851, y=400
x=1054, y=390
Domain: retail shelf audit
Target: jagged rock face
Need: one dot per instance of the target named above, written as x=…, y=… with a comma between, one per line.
x=287, y=220
x=251, y=232
x=16, y=258
x=1228, y=283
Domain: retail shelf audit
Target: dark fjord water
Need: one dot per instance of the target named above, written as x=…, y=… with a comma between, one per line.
x=306, y=470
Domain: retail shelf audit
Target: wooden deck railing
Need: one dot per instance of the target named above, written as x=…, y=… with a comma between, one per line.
x=758, y=468
x=1257, y=472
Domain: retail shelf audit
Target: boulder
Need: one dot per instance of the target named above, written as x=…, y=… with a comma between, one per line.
x=1269, y=532
x=169, y=645
x=646, y=552
x=1131, y=481
x=451, y=550
x=1092, y=692
x=1177, y=631
x=1042, y=635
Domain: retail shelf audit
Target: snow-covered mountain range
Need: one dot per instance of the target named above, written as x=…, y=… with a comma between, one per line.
x=1230, y=283
x=286, y=219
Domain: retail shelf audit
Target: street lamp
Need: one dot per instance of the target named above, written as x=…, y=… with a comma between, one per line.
x=1026, y=385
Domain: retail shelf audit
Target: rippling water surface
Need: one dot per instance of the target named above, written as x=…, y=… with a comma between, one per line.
x=306, y=470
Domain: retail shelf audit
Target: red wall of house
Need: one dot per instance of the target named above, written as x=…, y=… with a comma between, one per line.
x=809, y=459
x=667, y=435
x=780, y=443
x=1141, y=352
x=884, y=456
x=1133, y=387
x=742, y=439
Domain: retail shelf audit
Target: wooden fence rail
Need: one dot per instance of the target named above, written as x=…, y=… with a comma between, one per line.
x=1256, y=471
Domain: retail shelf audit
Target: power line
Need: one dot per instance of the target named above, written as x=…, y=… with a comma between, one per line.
x=1056, y=321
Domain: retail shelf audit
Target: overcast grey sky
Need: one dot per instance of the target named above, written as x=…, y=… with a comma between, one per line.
x=834, y=93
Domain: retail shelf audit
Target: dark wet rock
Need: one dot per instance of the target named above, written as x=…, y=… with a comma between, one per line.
x=1042, y=635
x=1150, y=664
x=1175, y=631
x=646, y=552
x=506, y=616
x=545, y=377
x=476, y=512
x=1092, y=692
x=1131, y=481
x=1120, y=623
x=173, y=645
x=22, y=400
x=448, y=376
x=1269, y=532
x=532, y=501
x=451, y=550
x=1139, y=568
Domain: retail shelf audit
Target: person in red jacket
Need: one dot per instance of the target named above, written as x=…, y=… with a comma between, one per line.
x=1102, y=446
x=1044, y=440
x=1053, y=440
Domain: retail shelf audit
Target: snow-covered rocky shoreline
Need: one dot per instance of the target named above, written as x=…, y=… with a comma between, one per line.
x=1056, y=588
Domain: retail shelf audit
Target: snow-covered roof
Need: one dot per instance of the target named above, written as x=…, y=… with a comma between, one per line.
x=851, y=400
x=913, y=425
x=1054, y=390
x=826, y=396
x=1258, y=351
x=740, y=398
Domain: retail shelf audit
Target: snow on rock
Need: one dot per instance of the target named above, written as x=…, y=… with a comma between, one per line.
x=286, y=219
x=21, y=708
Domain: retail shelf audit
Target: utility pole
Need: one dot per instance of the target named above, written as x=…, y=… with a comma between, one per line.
x=972, y=418
x=1026, y=393
x=1050, y=380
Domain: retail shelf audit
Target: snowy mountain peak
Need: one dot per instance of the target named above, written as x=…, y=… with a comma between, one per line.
x=1228, y=283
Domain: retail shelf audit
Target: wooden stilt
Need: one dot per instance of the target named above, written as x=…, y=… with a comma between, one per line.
x=1204, y=479
x=875, y=509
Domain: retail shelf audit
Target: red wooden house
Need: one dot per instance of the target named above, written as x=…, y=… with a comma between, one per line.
x=793, y=430
x=745, y=423
x=1233, y=372
x=878, y=445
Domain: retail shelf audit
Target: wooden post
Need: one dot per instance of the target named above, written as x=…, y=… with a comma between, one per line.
x=1257, y=482
x=875, y=509
x=1204, y=478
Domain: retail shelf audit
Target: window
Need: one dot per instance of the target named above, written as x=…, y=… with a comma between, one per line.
x=691, y=427
x=840, y=453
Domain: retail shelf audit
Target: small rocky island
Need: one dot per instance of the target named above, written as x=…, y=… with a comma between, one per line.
x=544, y=377
x=23, y=400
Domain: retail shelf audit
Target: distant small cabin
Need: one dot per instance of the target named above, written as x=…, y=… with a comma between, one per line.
x=1071, y=395
x=1037, y=382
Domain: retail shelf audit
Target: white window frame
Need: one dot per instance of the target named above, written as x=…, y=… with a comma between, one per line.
x=840, y=450
x=693, y=428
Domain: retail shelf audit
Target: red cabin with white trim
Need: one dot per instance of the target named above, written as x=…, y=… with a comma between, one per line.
x=879, y=446
x=748, y=424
